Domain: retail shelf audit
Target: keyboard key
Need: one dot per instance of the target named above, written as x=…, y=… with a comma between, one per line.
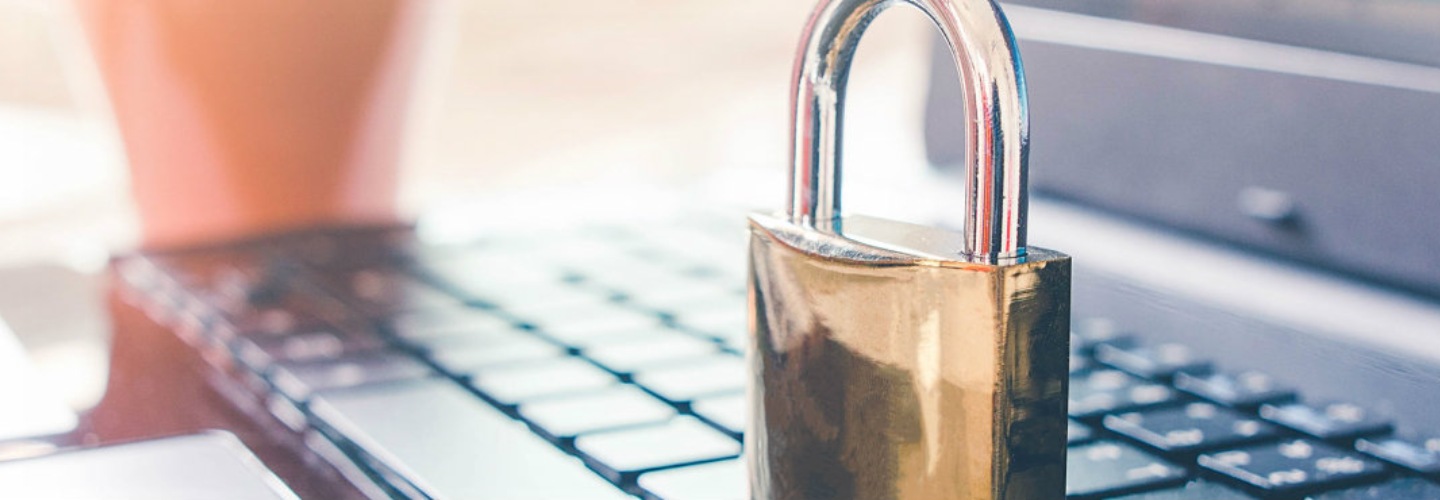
x=627, y=270
x=481, y=274
x=578, y=325
x=381, y=291
x=235, y=268
x=701, y=377
x=710, y=307
x=254, y=284
x=1079, y=362
x=659, y=348
x=1244, y=390
x=351, y=248
x=451, y=337
x=683, y=290
x=1161, y=362
x=294, y=315
x=532, y=298
x=1423, y=458
x=511, y=281
x=674, y=291
x=260, y=353
x=1331, y=422
x=452, y=445
x=612, y=265
x=1190, y=429
x=466, y=359
x=298, y=380
x=728, y=411
x=728, y=326
x=1292, y=467
x=1087, y=334
x=1198, y=489
x=725, y=480
x=551, y=299
x=615, y=407
x=679, y=441
x=1407, y=489
x=520, y=383
x=1077, y=433
x=431, y=323
x=1108, y=468
x=1107, y=391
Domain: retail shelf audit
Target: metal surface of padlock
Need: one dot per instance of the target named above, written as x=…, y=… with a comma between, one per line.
x=890, y=360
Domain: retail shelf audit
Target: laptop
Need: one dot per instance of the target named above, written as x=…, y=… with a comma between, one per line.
x=1254, y=307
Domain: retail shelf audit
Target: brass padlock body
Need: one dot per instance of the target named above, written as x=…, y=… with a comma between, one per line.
x=881, y=368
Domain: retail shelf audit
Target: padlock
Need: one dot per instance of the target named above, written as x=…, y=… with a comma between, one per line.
x=890, y=360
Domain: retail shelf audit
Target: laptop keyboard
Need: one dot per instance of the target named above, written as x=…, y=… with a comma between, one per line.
x=609, y=362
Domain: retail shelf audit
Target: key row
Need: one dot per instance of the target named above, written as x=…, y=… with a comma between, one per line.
x=1242, y=434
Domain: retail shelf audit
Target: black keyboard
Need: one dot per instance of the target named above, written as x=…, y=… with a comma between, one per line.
x=609, y=362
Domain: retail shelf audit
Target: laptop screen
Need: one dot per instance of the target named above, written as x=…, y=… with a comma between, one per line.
x=1399, y=30
x=1304, y=131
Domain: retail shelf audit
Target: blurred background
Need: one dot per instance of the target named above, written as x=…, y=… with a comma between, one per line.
x=512, y=96
x=513, y=99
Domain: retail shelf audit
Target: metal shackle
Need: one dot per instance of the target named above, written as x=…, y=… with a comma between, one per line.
x=996, y=127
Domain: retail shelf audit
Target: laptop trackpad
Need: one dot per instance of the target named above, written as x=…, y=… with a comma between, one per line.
x=208, y=465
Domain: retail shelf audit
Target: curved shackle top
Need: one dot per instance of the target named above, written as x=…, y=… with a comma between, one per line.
x=996, y=127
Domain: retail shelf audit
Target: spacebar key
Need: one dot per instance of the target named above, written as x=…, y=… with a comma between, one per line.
x=449, y=444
